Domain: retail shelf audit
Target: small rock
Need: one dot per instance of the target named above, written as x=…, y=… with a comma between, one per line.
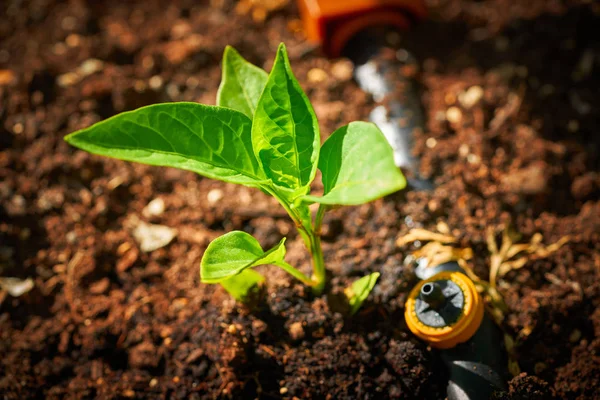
x=454, y=115
x=471, y=97
x=90, y=66
x=316, y=75
x=343, y=70
x=68, y=79
x=71, y=236
x=151, y=237
x=16, y=287
x=214, y=196
x=296, y=331
x=155, y=208
x=156, y=82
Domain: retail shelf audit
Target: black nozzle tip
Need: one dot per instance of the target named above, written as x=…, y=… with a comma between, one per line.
x=431, y=293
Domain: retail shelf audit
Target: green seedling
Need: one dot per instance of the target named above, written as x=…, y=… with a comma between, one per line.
x=263, y=134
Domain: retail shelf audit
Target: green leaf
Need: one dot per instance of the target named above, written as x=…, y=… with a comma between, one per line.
x=211, y=141
x=285, y=132
x=244, y=285
x=358, y=292
x=242, y=83
x=232, y=253
x=357, y=164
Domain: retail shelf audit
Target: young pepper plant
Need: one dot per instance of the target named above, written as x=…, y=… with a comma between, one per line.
x=263, y=133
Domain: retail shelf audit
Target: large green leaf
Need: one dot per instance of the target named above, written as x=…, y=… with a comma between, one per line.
x=358, y=292
x=232, y=253
x=241, y=84
x=285, y=132
x=212, y=141
x=357, y=164
x=243, y=285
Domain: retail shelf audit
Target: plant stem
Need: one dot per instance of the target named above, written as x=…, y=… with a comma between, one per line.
x=312, y=240
x=296, y=274
x=319, y=218
x=320, y=274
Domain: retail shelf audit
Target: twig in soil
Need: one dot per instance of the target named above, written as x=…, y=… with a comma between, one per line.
x=70, y=284
x=424, y=235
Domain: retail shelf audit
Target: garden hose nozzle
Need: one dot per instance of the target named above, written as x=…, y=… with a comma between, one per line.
x=333, y=23
x=358, y=30
x=445, y=310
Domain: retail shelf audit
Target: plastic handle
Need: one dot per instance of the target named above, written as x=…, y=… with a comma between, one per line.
x=474, y=367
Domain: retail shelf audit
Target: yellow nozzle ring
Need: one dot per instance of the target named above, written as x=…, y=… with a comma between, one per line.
x=463, y=329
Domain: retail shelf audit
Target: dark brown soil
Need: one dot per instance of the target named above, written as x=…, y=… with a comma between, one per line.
x=108, y=321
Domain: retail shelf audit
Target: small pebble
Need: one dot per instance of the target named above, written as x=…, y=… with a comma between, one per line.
x=16, y=287
x=68, y=79
x=18, y=128
x=431, y=143
x=454, y=115
x=316, y=75
x=214, y=196
x=343, y=70
x=156, y=82
x=155, y=208
x=90, y=66
x=296, y=331
x=151, y=237
x=471, y=97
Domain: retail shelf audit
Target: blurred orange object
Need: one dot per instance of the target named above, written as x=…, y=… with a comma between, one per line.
x=331, y=23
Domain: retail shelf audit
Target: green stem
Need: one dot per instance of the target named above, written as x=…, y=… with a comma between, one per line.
x=319, y=218
x=312, y=240
x=295, y=273
x=320, y=273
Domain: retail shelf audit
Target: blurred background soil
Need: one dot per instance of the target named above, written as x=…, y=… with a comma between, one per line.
x=510, y=91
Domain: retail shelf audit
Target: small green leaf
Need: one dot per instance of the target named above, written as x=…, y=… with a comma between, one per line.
x=241, y=84
x=358, y=292
x=211, y=141
x=285, y=132
x=358, y=166
x=243, y=285
x=232, y=253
